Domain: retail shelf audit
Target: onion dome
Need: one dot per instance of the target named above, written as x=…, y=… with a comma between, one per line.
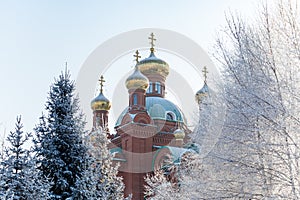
x=152, y=64
x=203, y=92
x=179, y=134
x=137, y=80
x=100, y=102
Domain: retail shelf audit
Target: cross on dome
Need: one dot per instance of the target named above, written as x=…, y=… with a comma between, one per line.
x=137, y=56
x=101, y=83
x=152, y=39
x=205, y=72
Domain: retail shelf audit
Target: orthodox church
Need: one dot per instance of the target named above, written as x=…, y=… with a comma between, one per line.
x=150, y=128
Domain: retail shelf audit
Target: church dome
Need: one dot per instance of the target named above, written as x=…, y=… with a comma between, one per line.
x=137, y=80
x=179, y=134
x=153, y=65
x=203, y=92
x=159, y=108
x=100, y=103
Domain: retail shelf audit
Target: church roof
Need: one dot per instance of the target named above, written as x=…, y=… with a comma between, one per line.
x=176, y=153
x=152, y=58
x=159, y=108
x=153, y=65
x=118, y=154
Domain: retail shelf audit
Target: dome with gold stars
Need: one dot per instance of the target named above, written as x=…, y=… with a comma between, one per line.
x=100, y=102
x=137, y=80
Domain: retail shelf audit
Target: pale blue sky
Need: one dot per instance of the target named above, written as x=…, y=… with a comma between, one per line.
x=38, y=37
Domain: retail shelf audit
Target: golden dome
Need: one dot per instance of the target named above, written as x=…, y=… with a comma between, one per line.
x=153, y=65
x=179, y=134
x=100, y=102
x=137, y=80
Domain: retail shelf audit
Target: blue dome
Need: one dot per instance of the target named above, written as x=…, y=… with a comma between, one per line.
x=159, y=108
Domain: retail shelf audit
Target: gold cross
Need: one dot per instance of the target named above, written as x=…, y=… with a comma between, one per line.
x=101, y=83
x=205, y=72
x=152, y=39
x=137, y=56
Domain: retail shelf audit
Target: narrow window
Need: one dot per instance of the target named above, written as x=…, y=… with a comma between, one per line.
x=150, y=88
x=126, y=144
x=135, y=99
x=158, y=87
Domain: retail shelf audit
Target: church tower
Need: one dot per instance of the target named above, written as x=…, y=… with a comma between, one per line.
x=137, y=85
x=204, y=99
x=136, y=132
x=156, y=70
x=100, y=106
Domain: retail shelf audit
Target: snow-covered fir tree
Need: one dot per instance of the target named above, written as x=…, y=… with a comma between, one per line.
x=103, y=173
x=62, y=155
x=19, y=178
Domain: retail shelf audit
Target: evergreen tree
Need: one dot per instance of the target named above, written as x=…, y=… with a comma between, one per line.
x=59, y=140
x=19, y=178
x=102, y=173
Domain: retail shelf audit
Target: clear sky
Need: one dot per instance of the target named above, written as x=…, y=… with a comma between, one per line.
x=38, y=37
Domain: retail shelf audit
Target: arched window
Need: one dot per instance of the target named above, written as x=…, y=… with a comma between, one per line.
x=170, y=116
x=135, y=99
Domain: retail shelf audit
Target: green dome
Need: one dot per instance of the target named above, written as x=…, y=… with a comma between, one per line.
x=159, y=108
